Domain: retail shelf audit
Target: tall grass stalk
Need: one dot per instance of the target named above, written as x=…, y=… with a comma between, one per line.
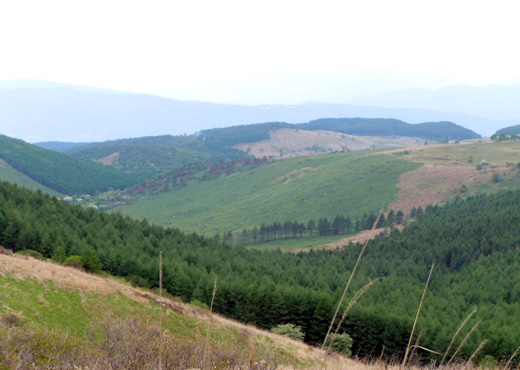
x=160, y=310
x=416, y=318
x=209, y=322
x=511, y=358
x=348, y=282
x=352, y=302
x=482, y=344
x=463, y=342
x=457, y=333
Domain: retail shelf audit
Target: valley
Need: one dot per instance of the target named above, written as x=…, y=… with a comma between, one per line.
x=451, y=204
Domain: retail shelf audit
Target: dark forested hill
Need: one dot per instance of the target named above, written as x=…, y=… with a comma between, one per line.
x=509, y=130
x=389, y=127
x=473, y=243
x=61, y=172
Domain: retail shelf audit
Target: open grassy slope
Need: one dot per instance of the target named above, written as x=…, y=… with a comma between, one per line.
x=62, y=309
x=295, y=189
x=9, y=174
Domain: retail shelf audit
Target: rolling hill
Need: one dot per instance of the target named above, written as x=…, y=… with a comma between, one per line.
x=294, y=189
x=218, y=198
x=60, y=172
x=152, y=155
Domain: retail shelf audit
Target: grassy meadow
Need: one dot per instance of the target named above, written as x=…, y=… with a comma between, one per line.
x=294, y=189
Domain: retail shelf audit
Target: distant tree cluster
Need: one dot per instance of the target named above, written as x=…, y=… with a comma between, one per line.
x=504, y=137
x=340, y=225
x=511, y=130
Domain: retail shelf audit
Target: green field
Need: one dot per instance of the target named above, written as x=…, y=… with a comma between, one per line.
x=294, y=189
x=11, y=175
x=297, y=243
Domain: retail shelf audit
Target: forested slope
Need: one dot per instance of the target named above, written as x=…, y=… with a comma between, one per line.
x=61, y=172
x=154, y=154
x=473, y=243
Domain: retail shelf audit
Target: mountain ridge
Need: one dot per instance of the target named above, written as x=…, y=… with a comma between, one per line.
x=76, y=113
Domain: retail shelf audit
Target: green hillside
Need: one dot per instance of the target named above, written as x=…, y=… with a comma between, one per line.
x=9, y=174
x=53, y=317
x=154, y=154
x=61, y=172
x=295, y=189
x=473, y=244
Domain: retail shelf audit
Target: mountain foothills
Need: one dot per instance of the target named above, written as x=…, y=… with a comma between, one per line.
x=473, y=244
x=41, y=111
x=154, y=154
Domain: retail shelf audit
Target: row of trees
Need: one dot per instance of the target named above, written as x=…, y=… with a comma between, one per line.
x=340, y=225
x=474, y=245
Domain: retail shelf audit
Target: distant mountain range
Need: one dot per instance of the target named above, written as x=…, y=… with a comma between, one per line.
x=46, y=111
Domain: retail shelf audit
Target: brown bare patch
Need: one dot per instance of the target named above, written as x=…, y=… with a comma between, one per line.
x=4, y=164
x=65, y=277
x=358, y=238
x=296, y=174
x=109, y=160
x=288, y=143
x=434, y=184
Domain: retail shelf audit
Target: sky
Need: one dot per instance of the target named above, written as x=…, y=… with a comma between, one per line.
x=261, y=52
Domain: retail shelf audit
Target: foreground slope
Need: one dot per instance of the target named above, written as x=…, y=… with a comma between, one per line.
x=52, y=316
x=473, y=244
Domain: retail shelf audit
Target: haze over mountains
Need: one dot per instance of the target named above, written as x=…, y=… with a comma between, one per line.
x=36, y=111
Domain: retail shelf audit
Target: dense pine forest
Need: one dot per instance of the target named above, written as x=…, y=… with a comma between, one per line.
x=61, y=172
x=474, y=244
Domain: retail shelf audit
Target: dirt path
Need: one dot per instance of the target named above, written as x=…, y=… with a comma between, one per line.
x=359, y=238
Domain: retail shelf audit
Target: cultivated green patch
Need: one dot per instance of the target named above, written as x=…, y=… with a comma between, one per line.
x=295, y=189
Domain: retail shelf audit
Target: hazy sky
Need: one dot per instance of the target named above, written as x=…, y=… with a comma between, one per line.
x=261, y=51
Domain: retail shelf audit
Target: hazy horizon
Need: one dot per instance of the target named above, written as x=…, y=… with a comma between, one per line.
x=237, y=52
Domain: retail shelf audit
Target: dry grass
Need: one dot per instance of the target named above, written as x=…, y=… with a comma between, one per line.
x=68, y=278
x=296, y=143
x=22, y=267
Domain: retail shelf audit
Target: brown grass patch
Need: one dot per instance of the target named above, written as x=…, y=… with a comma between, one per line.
x=296, y=174
x=64, y=277
x=434, y=184
x=109, y=160
x=289, y=143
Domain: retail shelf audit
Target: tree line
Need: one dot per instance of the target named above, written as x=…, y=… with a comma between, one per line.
x=339, y=225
